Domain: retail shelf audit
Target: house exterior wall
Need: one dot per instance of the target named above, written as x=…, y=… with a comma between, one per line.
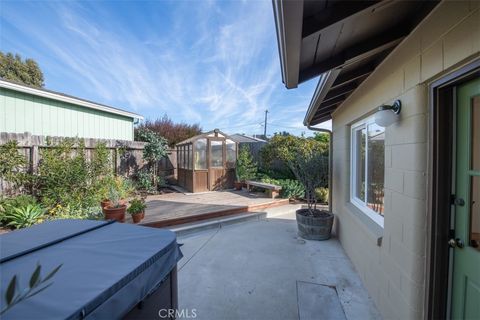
x=391, y=261
x=22, y=112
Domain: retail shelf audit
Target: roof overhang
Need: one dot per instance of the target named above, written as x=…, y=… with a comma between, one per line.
x=66, y=98
x=340, y=41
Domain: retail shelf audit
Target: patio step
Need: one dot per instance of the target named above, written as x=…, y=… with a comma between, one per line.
x=215, y=214
x=188, y=228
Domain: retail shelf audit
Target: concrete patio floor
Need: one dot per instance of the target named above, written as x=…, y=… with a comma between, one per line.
x=262, y=270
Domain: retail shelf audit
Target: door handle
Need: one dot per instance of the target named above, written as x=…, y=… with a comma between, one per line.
x=459, y=202
x=456, y=243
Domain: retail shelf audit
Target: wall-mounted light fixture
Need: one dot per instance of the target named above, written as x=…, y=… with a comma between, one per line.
x=387, y=115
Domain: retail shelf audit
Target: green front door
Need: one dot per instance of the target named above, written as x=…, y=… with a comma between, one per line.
x=466, y=263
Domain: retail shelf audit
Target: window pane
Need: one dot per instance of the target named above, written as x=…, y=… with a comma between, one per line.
x=476, y=133
x=231, y=153
x=360, y=145
x=376, y=167
x=216, y=155
x=190, y=162
x=201, y=154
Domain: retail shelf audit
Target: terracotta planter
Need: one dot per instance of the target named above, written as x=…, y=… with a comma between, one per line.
x=117, y=213
x=238, y=185
x=314, y=227
x=104, y=203
x=138, y=217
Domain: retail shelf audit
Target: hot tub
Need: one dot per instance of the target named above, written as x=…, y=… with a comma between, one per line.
x=109, y=270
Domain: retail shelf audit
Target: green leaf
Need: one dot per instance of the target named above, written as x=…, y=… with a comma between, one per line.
x=52, y=273
x=35, y=278
x=37, y=292
x=10, y=294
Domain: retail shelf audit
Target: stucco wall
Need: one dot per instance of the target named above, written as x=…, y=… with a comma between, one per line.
x=21, y=112
x=393, y=271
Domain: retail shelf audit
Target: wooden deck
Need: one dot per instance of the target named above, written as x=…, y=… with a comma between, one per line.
x=178, y=208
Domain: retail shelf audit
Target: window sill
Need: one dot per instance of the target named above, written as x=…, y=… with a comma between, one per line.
x=372, y=228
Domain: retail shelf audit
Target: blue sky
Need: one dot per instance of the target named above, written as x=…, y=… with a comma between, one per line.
x=211, y=62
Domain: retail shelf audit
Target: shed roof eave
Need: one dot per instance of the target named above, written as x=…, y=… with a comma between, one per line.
x=40, y=92
x=288, y=16
x=325, y=82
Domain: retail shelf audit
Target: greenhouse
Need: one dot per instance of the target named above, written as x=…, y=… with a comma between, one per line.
x=206, y=162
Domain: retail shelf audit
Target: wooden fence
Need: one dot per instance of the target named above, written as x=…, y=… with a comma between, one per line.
x=126, y=156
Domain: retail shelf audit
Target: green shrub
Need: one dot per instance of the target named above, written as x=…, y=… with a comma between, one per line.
x=13, y=167
x=322, y=194
x=65, y=176
x=246, y=168
x=23, y=217
x=145, y=180
x=291, y=189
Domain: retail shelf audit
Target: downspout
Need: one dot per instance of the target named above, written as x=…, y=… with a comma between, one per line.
x=330, y=162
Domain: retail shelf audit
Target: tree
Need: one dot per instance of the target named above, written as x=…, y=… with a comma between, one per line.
x=246, y=167
x=311, y=169
x=173, y=132
x=12, y=67
x=154, y=150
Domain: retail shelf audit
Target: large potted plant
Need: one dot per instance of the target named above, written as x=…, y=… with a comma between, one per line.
x=246, y=168
x=115, y=209
x=311, y=169
x=137, y=209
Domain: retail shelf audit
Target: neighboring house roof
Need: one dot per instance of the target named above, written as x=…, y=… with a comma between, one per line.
x=208, y=134
x=342, y=41
x=40, y=92
x=241, y=138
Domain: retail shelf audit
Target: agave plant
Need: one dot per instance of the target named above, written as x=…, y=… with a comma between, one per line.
x=24, y=216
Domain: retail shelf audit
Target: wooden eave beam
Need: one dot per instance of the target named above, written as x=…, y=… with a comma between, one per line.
x=334, y=14
x=355, y=53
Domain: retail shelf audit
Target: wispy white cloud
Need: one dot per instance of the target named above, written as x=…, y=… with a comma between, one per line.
x=216, y=63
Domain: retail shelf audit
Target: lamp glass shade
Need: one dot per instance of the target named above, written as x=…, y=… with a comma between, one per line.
x=385, y=118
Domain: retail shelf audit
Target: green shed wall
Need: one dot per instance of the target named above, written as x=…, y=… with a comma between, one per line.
x=21, y=112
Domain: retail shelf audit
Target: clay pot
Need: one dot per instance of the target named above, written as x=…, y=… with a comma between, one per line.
x=138, y=217
x=104, y=203
x=238, y=185
x=117, y=213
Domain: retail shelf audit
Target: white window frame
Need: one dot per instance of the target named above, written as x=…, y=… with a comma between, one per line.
x=362, y=124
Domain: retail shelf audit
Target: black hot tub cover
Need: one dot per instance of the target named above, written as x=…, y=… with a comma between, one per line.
x=108, y=268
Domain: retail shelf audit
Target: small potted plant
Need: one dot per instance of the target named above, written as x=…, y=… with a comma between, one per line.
x=311, y=169
x=137, y=209
x=115, y=210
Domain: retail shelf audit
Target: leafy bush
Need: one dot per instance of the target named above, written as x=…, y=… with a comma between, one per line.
x=282, y=149
x=291, y=189
x=13, y=166
x=144, y=180
x=322, y=194
x=23, y=217
x=246, y=168
x=66, y=177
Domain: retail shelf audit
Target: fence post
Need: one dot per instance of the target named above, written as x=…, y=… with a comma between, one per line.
x=34, y=158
